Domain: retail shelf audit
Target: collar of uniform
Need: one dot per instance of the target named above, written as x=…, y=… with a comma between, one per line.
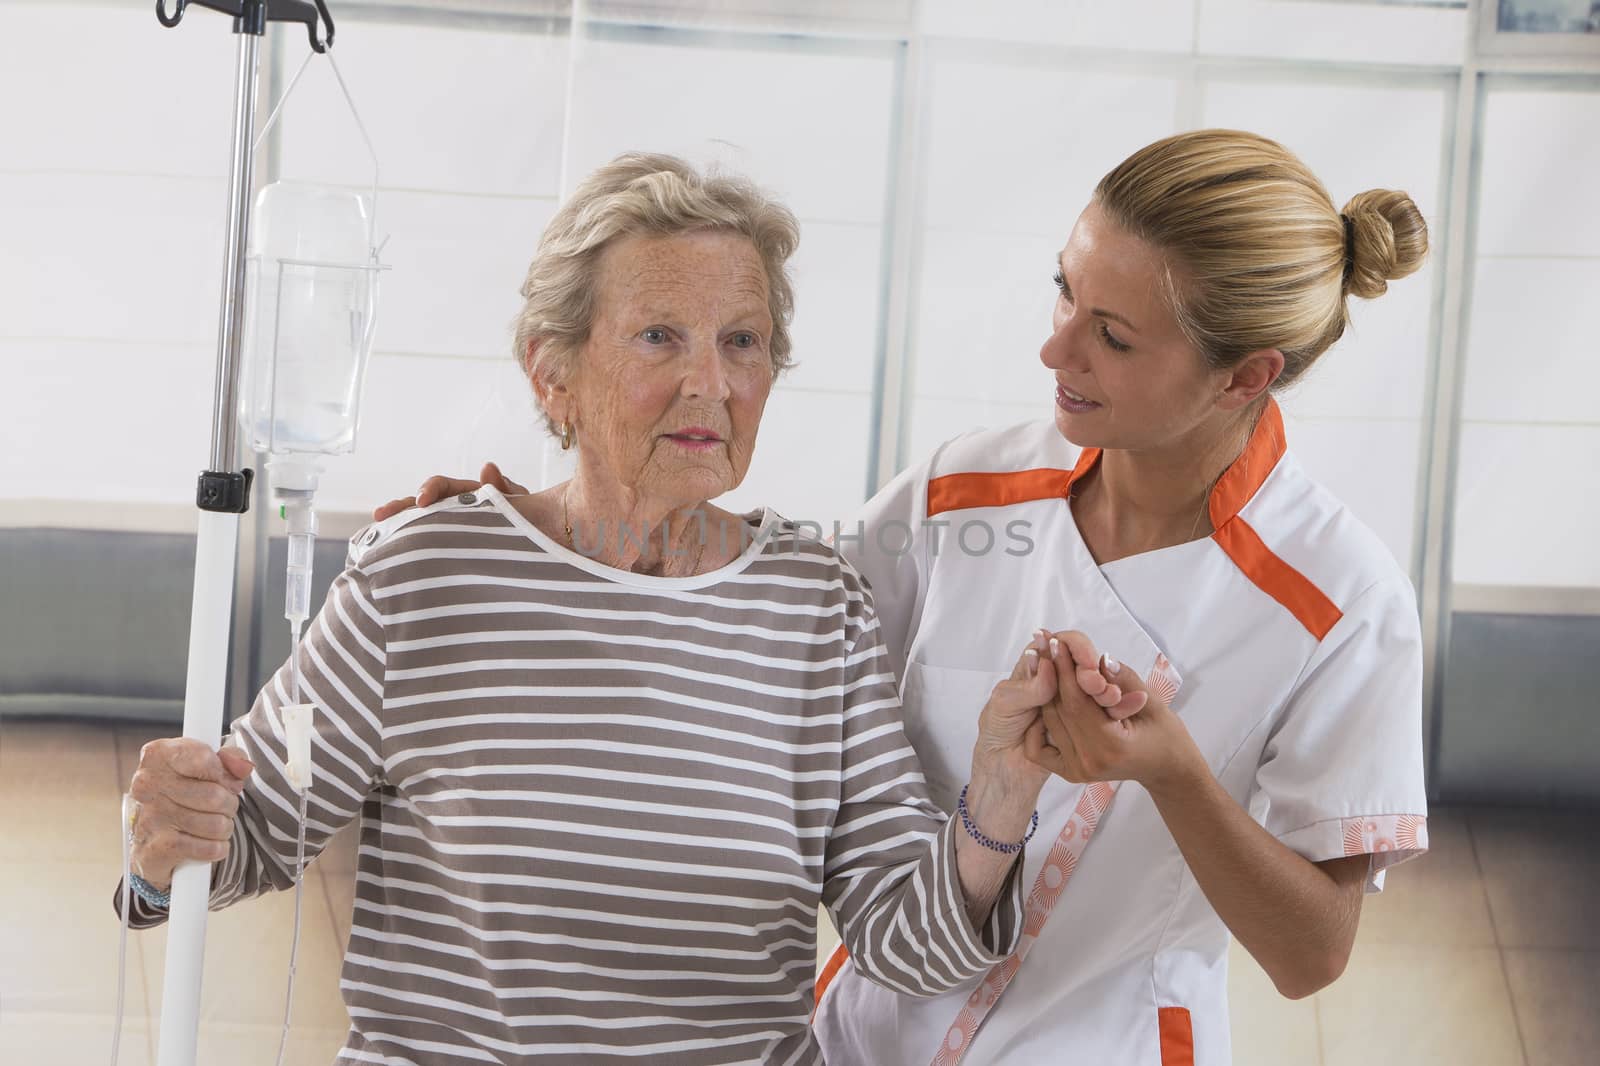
x=1240, y=481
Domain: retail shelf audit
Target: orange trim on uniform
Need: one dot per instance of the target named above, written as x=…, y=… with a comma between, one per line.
x=955, y=492
x=1240, y=482
x=835, y=963
x=1177, y=1036
x=1237, y=486
x=1086, y=460
x=1277, y=578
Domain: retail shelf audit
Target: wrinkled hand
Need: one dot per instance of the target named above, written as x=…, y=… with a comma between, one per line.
x=438, y=487
x=1000, y=755
x=1108, y=726
x=188, y=796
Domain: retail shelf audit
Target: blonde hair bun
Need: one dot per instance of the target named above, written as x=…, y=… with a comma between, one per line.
x=1389, y=240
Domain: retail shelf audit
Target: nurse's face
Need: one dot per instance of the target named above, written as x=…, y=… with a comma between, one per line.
x=1126, y=377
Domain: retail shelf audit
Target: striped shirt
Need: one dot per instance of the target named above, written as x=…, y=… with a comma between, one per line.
x=599, y=809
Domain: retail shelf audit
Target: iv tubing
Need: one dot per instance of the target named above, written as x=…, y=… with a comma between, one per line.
x=122, y=942
x=302, y=519
x=300, y=848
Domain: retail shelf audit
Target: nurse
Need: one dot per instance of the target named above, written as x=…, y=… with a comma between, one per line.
x=1241, y=754
x=1265, y=637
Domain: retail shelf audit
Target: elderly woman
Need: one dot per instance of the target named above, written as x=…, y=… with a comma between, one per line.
x=609, y=744
x=1237, y=741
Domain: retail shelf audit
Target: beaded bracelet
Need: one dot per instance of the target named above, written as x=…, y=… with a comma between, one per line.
x=150, y=893
x=992, y=845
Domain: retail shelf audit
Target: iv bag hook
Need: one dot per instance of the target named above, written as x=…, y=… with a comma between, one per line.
x=252, y=16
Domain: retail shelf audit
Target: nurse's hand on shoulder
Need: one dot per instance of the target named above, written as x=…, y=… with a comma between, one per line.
x=1108, y=725
x=438, y=487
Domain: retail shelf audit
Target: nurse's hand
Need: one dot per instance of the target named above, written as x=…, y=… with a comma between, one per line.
x=438, y=487
x=1081, y=740
x=188, y=796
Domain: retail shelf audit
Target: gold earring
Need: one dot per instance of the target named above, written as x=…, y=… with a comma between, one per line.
x=566, y=436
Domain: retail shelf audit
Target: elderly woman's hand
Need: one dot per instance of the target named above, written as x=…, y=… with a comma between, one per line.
x=1002, y=773
x=1004, y=788
x=188, y=796
x=1108, y=726
x=438, y=487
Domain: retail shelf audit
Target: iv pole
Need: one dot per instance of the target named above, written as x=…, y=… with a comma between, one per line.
x=222, y=495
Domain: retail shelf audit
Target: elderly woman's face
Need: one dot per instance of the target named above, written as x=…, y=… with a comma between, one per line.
x=669, y=388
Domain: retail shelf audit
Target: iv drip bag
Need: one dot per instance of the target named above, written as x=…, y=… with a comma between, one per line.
x=312, y=279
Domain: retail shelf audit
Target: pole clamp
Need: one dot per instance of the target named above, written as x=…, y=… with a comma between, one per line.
x=224, y=493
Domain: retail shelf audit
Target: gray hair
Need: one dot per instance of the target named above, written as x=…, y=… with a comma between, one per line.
x=640, y=194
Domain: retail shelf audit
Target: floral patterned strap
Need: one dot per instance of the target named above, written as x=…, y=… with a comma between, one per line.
x=1047, y=888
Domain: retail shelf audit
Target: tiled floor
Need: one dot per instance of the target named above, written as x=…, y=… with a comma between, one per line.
x=60, y=796
x=1484, y=953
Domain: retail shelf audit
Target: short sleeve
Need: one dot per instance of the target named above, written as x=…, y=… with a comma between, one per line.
x=1341, y=774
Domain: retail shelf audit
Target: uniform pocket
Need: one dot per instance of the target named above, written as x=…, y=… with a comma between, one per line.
x=942, y=706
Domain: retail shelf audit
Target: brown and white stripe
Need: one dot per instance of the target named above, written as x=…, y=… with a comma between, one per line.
x=598, y=810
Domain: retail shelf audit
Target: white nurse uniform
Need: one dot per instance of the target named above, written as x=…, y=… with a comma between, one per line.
x=1294, y=637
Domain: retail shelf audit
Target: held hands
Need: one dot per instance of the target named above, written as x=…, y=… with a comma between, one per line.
x=1107, y=725
x=438, y=487
x=188, y=796
x=1004, y=787
x=1000, y=760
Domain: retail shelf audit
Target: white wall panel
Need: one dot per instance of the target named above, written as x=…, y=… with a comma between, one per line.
x=1530, y=439
x=1541, y=155
x=1021, y=148
x=1533, y=354
x=1127, y=25
x=424, y=415
x=1371, y=465
x=822, y=17
x=469, y=111
x=1526, y=506
x=838, y=273
x=1379, y=368
x=811, y=457
x=125, y=258
x=812, y=128
x=1379, y=32
x=939, y=419
x=107, y=88
x=984, y=311
x=102, y=422
x=458, y=267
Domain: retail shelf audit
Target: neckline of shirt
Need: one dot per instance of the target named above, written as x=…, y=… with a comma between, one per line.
x=758, y=545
